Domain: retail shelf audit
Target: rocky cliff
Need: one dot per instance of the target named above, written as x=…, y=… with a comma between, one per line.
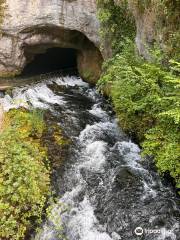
x=30, y=27
x=153, y=24
x=158, y=26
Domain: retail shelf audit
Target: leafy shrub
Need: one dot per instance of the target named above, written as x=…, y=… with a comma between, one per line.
x=146, y=98
x=24, y=173
x=163, y=140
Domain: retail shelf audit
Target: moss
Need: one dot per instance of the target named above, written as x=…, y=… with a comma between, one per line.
x=24, y=173
x=9, y=74
x=87, y=74
x=8, y=91
x=56, y=142
x=168, y=26
x=59, y=137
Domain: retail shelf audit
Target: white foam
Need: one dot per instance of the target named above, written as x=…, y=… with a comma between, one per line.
x=69, y=196
x=168, y=234
x=95, y=155
x=9, y=103
x=83, y=225
x=98, y=112
x=38, y=95
x=80, y=221
x=131, y=156
x=148, y=191
x=70, y=81
x=44, y=234
x=92, y=132
x=92, y=93
x=130, y=151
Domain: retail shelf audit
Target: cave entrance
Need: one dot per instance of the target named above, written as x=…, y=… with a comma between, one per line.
x=53, y=59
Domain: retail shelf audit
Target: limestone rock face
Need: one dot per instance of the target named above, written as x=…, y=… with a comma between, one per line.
x=145, y=28
x=32, y=26
x=157, y=26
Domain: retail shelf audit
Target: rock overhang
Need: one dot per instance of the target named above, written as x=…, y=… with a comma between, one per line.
x=41, y=24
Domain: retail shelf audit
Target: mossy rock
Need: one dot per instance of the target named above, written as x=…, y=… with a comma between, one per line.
x=57, y=144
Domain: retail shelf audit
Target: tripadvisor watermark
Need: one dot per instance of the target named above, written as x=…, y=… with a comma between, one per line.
x=139, y=231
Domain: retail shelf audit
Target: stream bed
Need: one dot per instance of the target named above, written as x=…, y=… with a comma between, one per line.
x=105, y=190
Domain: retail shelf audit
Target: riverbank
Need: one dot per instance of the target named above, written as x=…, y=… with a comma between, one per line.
x=27, y=142
x=144, y=90
x=21, y=151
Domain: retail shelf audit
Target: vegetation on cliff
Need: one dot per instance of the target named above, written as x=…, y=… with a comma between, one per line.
x=165, y=17
x=146, y=96
x=116, y=24
x=24, y=173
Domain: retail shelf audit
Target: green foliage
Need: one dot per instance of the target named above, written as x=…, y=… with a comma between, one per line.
x=24, y=173
x=117, y=22
x=163, y=142
x=58, y=136
x=146, y=98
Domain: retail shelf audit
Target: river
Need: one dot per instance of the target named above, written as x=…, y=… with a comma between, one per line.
x=105, y=189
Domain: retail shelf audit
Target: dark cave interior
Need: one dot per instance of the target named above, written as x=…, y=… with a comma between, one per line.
x=52, y=60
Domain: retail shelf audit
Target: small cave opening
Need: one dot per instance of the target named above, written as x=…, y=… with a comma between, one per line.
x=53, y=59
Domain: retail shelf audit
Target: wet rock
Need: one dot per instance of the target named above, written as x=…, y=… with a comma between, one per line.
x=125, y=178
x=1, y=94
x=56, y=142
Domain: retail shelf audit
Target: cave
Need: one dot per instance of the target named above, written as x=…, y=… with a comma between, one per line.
x=52, y=60
x=48, y=49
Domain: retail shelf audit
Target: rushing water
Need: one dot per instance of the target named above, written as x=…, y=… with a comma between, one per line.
x=106, y=190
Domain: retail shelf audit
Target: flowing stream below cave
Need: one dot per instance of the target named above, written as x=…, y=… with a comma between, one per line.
x=105, y=189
